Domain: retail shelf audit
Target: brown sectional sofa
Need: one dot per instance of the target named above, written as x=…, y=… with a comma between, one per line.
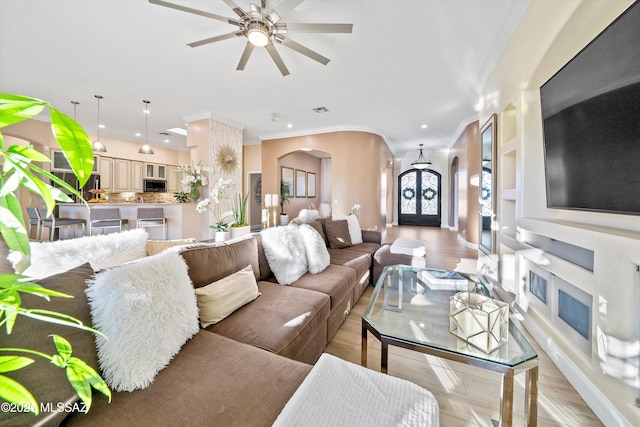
x=223, y=376
x=319, y=302
x=343, y=281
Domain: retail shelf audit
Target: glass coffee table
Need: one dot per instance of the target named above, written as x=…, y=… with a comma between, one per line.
x=408, y=310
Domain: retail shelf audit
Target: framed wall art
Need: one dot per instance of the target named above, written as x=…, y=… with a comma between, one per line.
x=301, y=183
x=287, y=176
x=311, y=184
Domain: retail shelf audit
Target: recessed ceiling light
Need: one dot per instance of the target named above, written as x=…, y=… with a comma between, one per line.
x=424, y=126
x=179, y=131
x=138, y=134
x=101, y=126
x=167, y=141
x=289, y=125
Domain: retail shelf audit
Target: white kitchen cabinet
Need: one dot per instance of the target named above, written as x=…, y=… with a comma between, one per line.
x=60, y=163
x=136, y=176
x=106, y=173
x=155, y=171
x=122, y=175
x=173, y=179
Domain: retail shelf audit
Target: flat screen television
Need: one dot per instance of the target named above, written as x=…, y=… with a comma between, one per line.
x=591, y=123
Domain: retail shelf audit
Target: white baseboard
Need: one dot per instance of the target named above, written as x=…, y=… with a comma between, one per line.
x=598, y=402
x=466, y=244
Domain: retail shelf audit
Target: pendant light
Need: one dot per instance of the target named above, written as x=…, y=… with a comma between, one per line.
x=421, y=162
x=146, y=149
x=75, y=104
x=98, y=146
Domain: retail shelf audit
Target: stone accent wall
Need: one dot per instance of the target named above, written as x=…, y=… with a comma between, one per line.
x=131, y=196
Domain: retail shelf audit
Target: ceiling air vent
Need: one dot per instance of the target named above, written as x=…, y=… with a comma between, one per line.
x=320, y=110
x=163, y=133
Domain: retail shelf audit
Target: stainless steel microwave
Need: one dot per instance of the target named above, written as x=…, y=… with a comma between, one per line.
x=154, y=186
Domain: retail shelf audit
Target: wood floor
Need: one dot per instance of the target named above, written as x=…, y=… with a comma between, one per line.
x=468, y=396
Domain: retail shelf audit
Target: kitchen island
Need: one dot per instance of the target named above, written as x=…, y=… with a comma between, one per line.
x=182, y=219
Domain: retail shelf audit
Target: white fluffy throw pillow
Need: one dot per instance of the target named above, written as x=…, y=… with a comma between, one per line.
x=284, y=250
x=317, y=254
x=147, y=310
x=101, y=251
x=307, y=215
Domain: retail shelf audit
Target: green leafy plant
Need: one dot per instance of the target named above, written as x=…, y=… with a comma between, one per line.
x=19, y=170
x=285, y=193
x=181, y=196
x=240, y=211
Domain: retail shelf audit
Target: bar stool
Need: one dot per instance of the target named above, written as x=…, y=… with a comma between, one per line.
x=34, y=221
x=152, y=217
x=54, y=223
x=106, y=218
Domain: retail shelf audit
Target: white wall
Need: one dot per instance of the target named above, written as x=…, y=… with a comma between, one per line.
x=550, y=34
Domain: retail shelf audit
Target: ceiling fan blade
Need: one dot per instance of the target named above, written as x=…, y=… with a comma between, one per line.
x=287, y=6
x=303, y=50
x=277, y=59
x=245, y=56
x=255, y=9
x=319, y=28
x=196, y=12
x=237, y=9
x=215, y=39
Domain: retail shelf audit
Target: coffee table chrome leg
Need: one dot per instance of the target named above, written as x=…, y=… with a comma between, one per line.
x=531, y=397
x=384, y=357
x=363, y=352
x=506, y=399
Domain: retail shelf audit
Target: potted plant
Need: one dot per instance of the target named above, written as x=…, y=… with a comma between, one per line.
x=194, y=177
x=181, y=196
x=240, y=226
x=19, y=170
x=285, y=192
x=216, y=203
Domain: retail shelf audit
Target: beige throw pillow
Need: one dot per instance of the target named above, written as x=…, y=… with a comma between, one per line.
x=221, y=298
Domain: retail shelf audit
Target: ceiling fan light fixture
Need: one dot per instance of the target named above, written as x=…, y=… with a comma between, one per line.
x=421, y=162
x=258, y=34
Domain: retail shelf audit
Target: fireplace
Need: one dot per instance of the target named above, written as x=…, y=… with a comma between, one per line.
x=568, y=308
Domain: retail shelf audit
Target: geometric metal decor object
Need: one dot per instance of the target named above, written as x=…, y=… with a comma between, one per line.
x=479, y=320
x=226, y=159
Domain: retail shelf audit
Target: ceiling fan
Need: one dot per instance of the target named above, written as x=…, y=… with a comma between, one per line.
x=264, y=29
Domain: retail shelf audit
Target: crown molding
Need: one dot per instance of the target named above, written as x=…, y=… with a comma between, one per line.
x=212, y=116
x=461, y=127
x=315, y=131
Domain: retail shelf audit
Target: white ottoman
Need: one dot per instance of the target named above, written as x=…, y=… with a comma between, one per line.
x=409, y=247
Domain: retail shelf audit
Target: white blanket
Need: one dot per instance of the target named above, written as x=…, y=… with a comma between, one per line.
x=338, y=393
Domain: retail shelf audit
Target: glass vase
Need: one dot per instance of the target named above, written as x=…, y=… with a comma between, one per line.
x=195, y=192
